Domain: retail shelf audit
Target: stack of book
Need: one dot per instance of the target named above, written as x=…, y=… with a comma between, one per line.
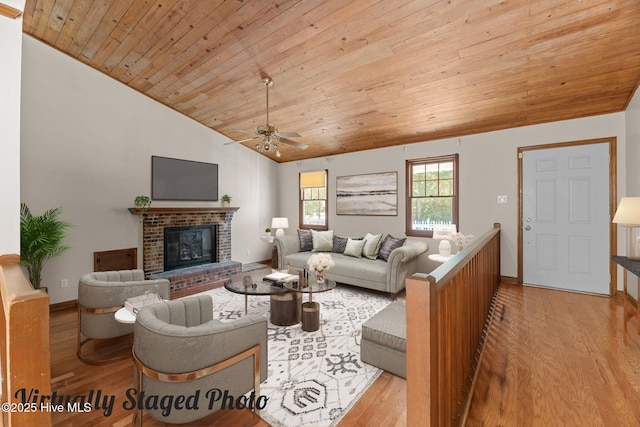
x=136, y=303
x=279, y=279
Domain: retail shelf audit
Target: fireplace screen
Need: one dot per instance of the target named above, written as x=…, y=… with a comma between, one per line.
x=189, y=246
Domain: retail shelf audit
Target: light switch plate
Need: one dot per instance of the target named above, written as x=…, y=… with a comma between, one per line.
x=502, y=199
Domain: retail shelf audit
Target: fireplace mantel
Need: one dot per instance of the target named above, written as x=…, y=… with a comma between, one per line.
x=149, y=211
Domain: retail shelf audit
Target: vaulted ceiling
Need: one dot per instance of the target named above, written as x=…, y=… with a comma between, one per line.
x=358, y=74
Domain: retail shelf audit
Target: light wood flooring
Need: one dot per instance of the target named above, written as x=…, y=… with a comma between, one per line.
x=552, y=358
x=384, y=401
x=555, y=358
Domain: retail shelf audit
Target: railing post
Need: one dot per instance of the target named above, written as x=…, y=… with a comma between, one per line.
x=422, y=357
x=25, y=353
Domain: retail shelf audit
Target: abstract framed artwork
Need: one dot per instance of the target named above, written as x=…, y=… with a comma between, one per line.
x=369, y=194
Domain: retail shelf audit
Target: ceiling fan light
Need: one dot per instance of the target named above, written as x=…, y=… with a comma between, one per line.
x=270, y=134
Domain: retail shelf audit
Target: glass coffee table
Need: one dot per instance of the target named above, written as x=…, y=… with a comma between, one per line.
x=286, y=306
x=310, y=309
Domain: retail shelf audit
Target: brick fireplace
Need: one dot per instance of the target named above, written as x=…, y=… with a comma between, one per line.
x=195, y=278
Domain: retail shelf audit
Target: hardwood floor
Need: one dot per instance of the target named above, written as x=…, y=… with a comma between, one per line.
x=557, y=358
x=385, y=400
x=552, y=358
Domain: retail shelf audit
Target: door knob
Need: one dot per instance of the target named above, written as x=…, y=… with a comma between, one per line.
x=528, y=227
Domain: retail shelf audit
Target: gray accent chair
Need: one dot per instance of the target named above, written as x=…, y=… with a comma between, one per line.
x=180, y=350
x=100, y=295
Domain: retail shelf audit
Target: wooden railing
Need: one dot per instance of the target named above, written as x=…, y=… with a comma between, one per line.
x=25, y=353
x=447, y=312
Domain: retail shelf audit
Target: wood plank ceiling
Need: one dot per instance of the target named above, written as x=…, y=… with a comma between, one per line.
x=358, y=74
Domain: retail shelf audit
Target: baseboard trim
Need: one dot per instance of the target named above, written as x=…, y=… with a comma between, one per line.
x=510, y=280
x=63, y=305
x=267, y=262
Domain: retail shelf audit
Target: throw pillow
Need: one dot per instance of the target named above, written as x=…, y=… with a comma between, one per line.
x=322, y=241
x=306, y=240
x=388, y=244
x=354, y=248
x=371, y=245
x=339, y=244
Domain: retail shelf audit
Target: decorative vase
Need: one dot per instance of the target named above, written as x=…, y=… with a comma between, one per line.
x=320, y=276
x=444, y=248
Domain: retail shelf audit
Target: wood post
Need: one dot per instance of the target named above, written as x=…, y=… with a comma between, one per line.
x=26, y=358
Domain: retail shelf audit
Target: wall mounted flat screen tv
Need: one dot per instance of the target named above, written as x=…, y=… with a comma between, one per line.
x=176, y=179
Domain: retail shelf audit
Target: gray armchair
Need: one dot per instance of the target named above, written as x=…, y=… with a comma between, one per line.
x=180, y=350
x=100, y=295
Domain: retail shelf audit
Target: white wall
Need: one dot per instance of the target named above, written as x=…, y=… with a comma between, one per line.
x=10, y=65
x=632, y=122
x=87, y=142
x=488, y=168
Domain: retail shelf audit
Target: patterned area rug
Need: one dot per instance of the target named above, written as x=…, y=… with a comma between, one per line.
x=314, y=377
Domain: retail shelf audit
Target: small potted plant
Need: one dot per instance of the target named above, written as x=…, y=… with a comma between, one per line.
x=142, y=203
x=226, y=200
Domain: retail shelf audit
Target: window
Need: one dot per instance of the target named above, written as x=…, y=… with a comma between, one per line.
x=432, y=194
x=313, y=200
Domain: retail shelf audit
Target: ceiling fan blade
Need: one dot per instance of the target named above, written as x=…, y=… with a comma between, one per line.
x=294, y=143
x=246, y=131
x=288, y=134
x=247, y=139
x=241, y=141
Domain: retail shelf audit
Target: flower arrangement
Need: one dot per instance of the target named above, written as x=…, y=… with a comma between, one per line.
x=461, y=240
x=320, y=263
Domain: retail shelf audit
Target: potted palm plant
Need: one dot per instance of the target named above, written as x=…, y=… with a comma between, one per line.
x=40, y=239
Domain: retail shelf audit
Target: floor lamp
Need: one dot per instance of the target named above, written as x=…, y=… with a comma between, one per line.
x=628, y=215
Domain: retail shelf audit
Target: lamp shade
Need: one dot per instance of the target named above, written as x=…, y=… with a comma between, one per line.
x=279, y=223
x=628, y=213
x=444, y=231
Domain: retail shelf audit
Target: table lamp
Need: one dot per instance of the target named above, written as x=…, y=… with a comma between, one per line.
x=279, y=224
x=443, y=233
x=628, y=215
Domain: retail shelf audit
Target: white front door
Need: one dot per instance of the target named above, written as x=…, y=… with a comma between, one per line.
x=565, y=201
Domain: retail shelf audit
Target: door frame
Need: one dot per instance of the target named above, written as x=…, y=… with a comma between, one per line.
x=613, y=200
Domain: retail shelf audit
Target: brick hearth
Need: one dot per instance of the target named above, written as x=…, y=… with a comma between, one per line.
x=191, y=280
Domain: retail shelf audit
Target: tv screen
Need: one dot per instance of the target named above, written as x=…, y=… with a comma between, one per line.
x=176, y=179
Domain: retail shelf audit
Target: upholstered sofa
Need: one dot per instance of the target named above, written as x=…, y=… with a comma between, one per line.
x=384, y=273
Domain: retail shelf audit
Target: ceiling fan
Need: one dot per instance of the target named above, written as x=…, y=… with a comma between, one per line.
x=269, y=134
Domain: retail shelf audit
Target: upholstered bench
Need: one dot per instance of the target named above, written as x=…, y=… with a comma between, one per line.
x=384, y=339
